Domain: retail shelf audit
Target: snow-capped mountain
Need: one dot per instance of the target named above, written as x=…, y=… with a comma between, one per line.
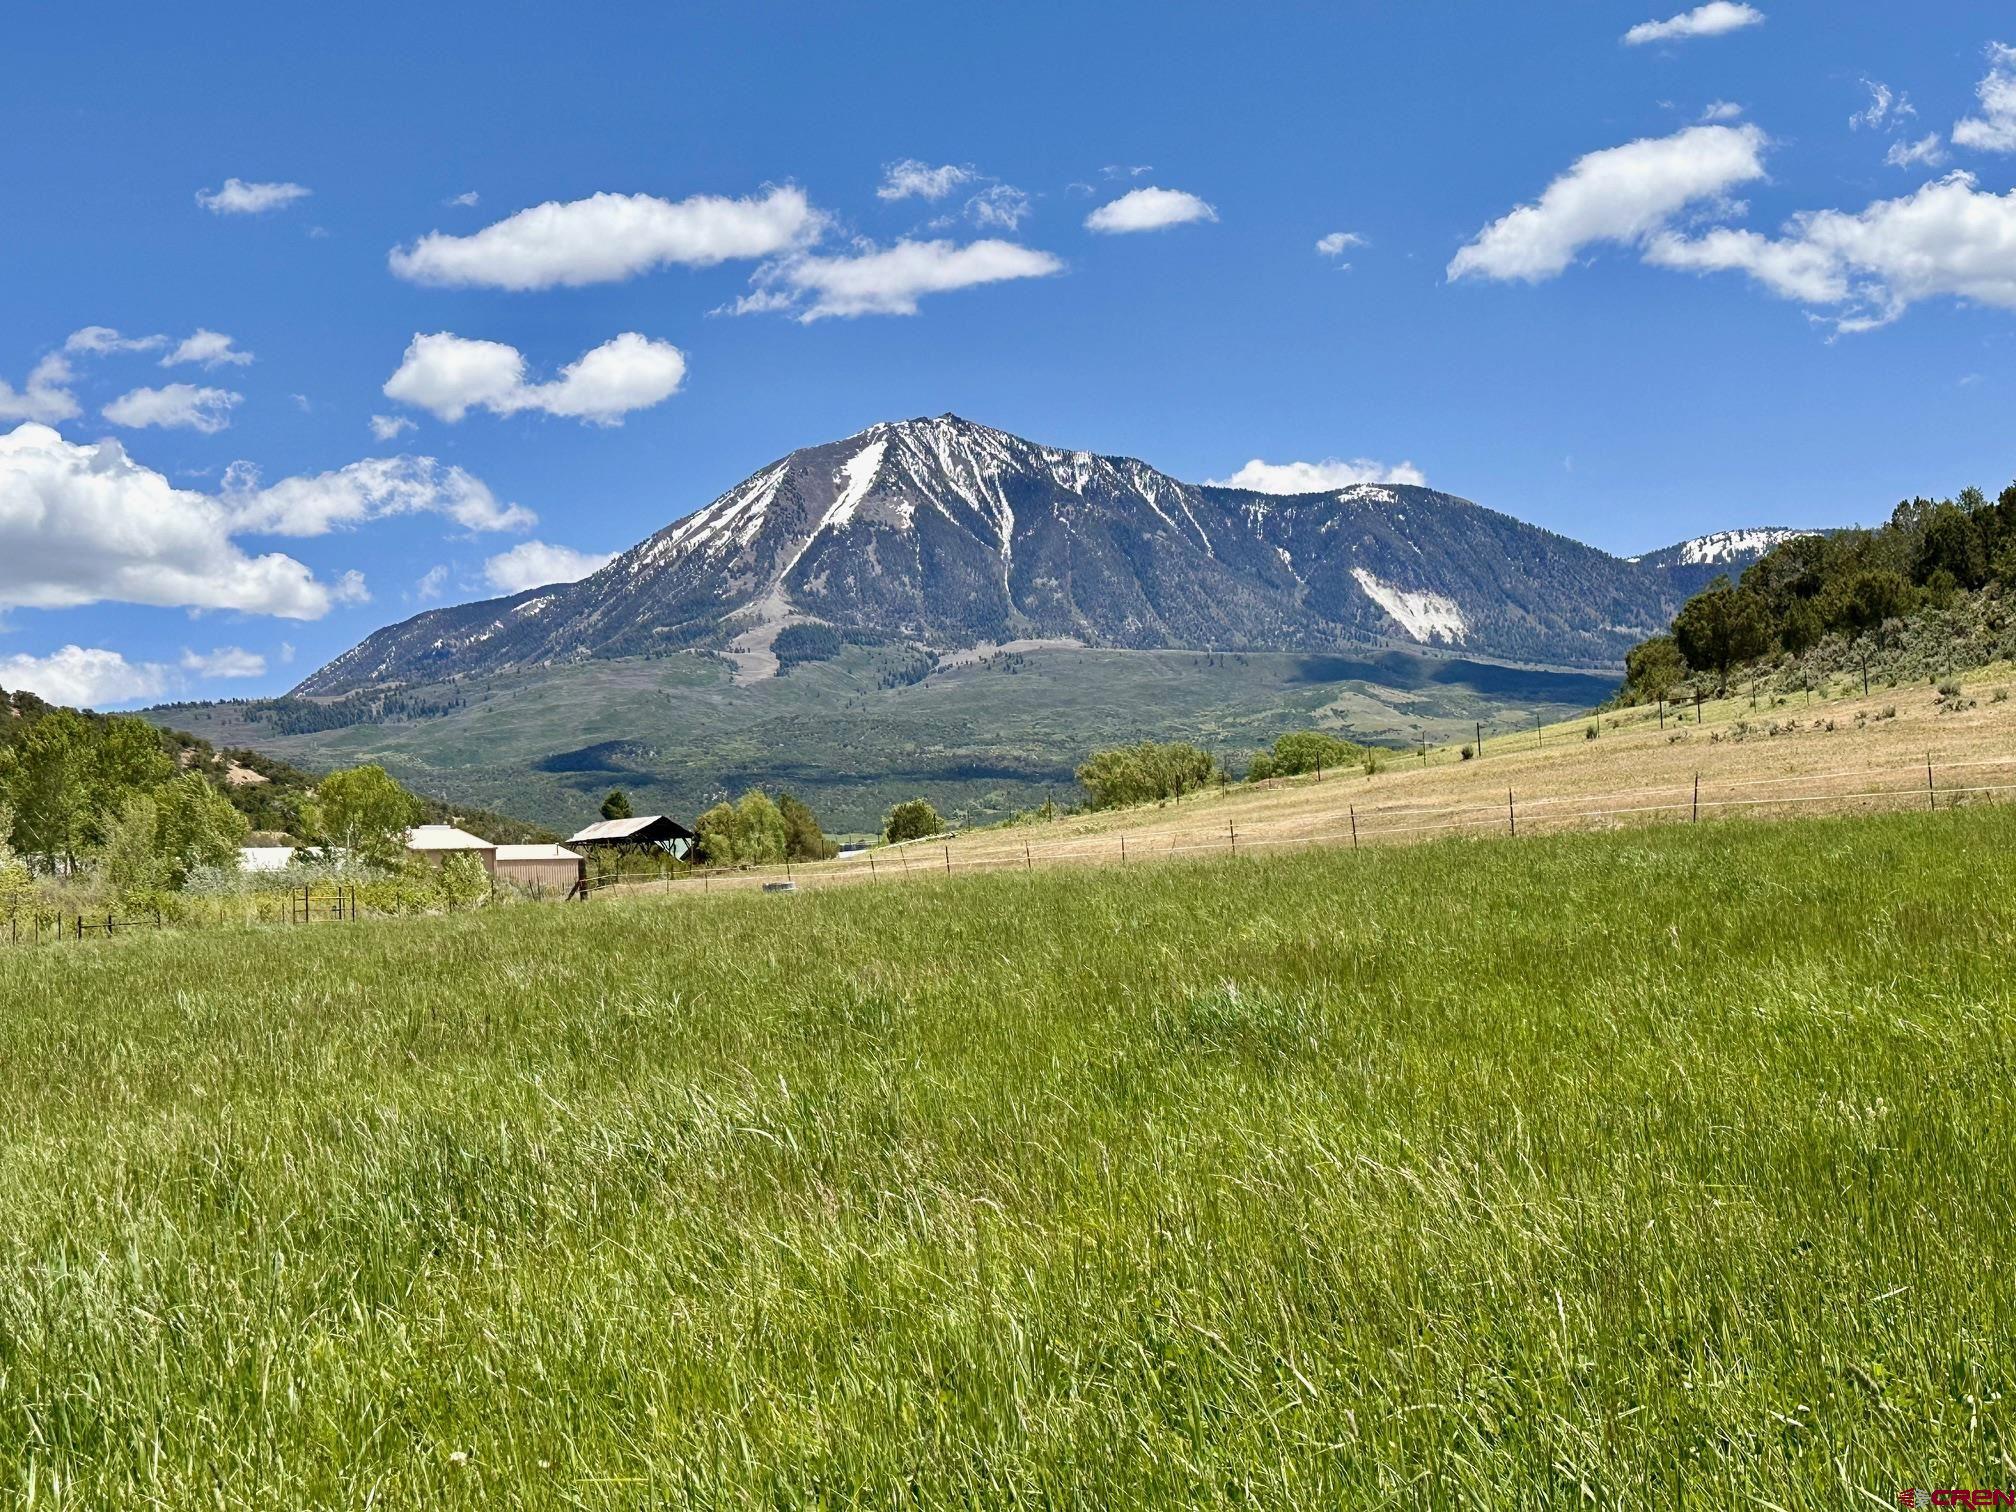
x=1692, y=565
x=953, y=535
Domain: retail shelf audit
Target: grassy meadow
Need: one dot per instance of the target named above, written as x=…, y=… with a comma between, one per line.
x=1663, y=1167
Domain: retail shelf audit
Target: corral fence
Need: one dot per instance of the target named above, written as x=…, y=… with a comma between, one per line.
x=334, y=902
x=36, y=928
x=1926, y=784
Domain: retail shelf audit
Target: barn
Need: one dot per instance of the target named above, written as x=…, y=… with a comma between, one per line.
x=542, y=869
x=437, y=842
x=646, y=832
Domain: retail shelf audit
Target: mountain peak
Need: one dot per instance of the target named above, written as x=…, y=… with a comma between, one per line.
x=944, y=532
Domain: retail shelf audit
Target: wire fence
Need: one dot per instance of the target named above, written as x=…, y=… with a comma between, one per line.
x=1928, y=784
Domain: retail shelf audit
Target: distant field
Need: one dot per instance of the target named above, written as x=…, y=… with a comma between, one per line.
x=1835, y=751
x=986, y=737
x=1664, y=1167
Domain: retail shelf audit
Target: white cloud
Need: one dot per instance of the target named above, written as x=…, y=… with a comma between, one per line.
x=910, y=178
x=1620, y=194
x=1721, y=110
x=390, y=427
x=608, y=237
x=1868, y=267
x=449, y=375
x=466, y=199
x=47, y=396
x=210, y=348
x=1885, y=108
x=237, y=197
x=80, y=524
x=1710, y=20
x=1927, y=152
x=1149, y=210
x=373, y=489
x=1000, y=206
x=1317, y=477
x=1994, y=130
x=225, y=661
x=891, y=280
x=181, y=406
x=534, y=564
x=1337, y=243
x=86, y=678
x=97, y=341
x=432, y=581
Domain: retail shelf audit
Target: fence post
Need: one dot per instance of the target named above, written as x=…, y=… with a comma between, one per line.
x=1697, y=799
x=1662, y=713
x=1480, y=741
x=1232, y=835
x=948, y=860
x=1511, y=814
x=1123, y=847
x=1354, y=826
x=871, y=863
x=1931, y=793
x=1027, y=864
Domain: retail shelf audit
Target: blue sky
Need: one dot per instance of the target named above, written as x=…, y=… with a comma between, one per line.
x=1745, y=286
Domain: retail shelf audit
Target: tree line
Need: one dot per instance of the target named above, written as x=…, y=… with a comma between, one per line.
x=1858, y=585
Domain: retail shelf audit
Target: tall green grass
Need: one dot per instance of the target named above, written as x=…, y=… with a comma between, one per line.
x=1658, y=1168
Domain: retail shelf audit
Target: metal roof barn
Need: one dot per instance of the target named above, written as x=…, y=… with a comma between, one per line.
x=541, y=869
x=439, y=841
x=645, y=832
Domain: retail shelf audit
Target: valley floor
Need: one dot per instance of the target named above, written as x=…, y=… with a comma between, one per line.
x=1663, y=1167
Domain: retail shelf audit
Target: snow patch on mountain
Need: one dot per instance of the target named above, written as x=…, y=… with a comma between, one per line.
x=1425, y=616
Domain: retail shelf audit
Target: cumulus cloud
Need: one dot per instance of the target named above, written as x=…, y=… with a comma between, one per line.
x=46, y=396
x=1721, y=110
x=1994, y=130
x=238, y=197
x=999, y=206
x=1620, y=194
x=1318, y=477
x=1149, y=209
x=609, y=237
x=891, y=280
x=390, y=427
x=534, y=564
x=432, y=581
x=1710, y=20
x=1867, y=267
x=84, y=677
x=911, y=179
x=1926, y=152
x=210, y=349
x=449, y=375
x=174, y=406
x=81, y=524
x=225, y=661
x=373, y=489
x=1337, y=243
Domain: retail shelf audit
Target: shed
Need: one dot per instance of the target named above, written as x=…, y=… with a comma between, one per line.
x=645, y=832
x=437, y=842
x=265, y=858
x=542, y=868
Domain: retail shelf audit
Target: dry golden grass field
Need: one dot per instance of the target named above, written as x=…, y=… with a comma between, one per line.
x=1830, y=751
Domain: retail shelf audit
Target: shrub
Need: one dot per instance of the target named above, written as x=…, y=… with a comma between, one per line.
x=1468, y=752
x=912, y=819
x=1590, y=733
x=1144, y=773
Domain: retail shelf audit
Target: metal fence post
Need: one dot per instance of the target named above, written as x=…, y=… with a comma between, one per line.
x=1931, y=793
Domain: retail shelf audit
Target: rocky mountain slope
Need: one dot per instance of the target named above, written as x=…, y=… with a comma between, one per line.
x=954, y=535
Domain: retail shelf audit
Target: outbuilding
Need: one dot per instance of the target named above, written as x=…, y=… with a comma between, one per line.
x=646, y=832
x=437, y=842
x=542, y=869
